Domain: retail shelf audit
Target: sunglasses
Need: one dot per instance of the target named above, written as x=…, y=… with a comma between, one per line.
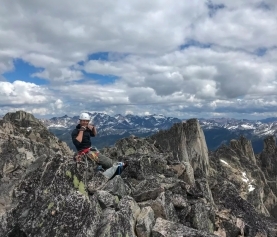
x=84, y=121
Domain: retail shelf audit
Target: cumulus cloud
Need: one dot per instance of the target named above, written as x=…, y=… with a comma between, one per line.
x=21, y=95
x=195, y=71
x=59, y=74
x=59, y=103
x=6, y=62
x=20, y=92
x=242, y=27
x=180, y=58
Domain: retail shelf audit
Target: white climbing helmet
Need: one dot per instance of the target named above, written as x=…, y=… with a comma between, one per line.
x=84, y=116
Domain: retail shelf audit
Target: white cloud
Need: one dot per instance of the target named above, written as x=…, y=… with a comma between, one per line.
x=20, y=92
x=103, y=67
x=6, y=62
x=150, y=57
x=21, y=95
x=240, y=24
x=40, y=111
x=129, y=112
x=204, y=73
x=58, y=104
x=59, y=74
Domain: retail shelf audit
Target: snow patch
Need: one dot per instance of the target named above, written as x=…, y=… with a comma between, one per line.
x=233, y=127
x=158, y=116
x=247, y=126
x=250, y=188
x=244, y=179
x=56, y=126
x=223, y=161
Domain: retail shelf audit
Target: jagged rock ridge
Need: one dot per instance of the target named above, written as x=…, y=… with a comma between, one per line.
x=172, y=187
x=25, y=143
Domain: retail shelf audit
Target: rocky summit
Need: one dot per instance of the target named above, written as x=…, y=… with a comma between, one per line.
x=173, y=186
x=25, y=145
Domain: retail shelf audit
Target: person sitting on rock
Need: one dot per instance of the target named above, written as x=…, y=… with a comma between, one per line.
x=81, y=139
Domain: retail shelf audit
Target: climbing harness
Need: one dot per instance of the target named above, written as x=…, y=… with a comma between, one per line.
x=91, y=153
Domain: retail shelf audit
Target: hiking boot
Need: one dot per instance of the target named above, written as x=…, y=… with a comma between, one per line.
x=125, y=163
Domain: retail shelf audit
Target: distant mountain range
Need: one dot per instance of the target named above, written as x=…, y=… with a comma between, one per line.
x=217, y=131
x=110, y=128
x=220, y=131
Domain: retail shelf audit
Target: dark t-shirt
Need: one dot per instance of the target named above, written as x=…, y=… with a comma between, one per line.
x=85, y=143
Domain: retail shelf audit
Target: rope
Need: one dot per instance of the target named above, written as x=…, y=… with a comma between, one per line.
x=86, y=172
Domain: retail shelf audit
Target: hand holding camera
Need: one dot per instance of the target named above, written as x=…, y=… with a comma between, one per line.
x=90, y=126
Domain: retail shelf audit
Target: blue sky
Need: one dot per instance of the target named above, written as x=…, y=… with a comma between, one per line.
x=23, y=71
x=181, y=59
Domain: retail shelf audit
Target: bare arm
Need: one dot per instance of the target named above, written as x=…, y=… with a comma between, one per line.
x=93, y=129
x=79, y=138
